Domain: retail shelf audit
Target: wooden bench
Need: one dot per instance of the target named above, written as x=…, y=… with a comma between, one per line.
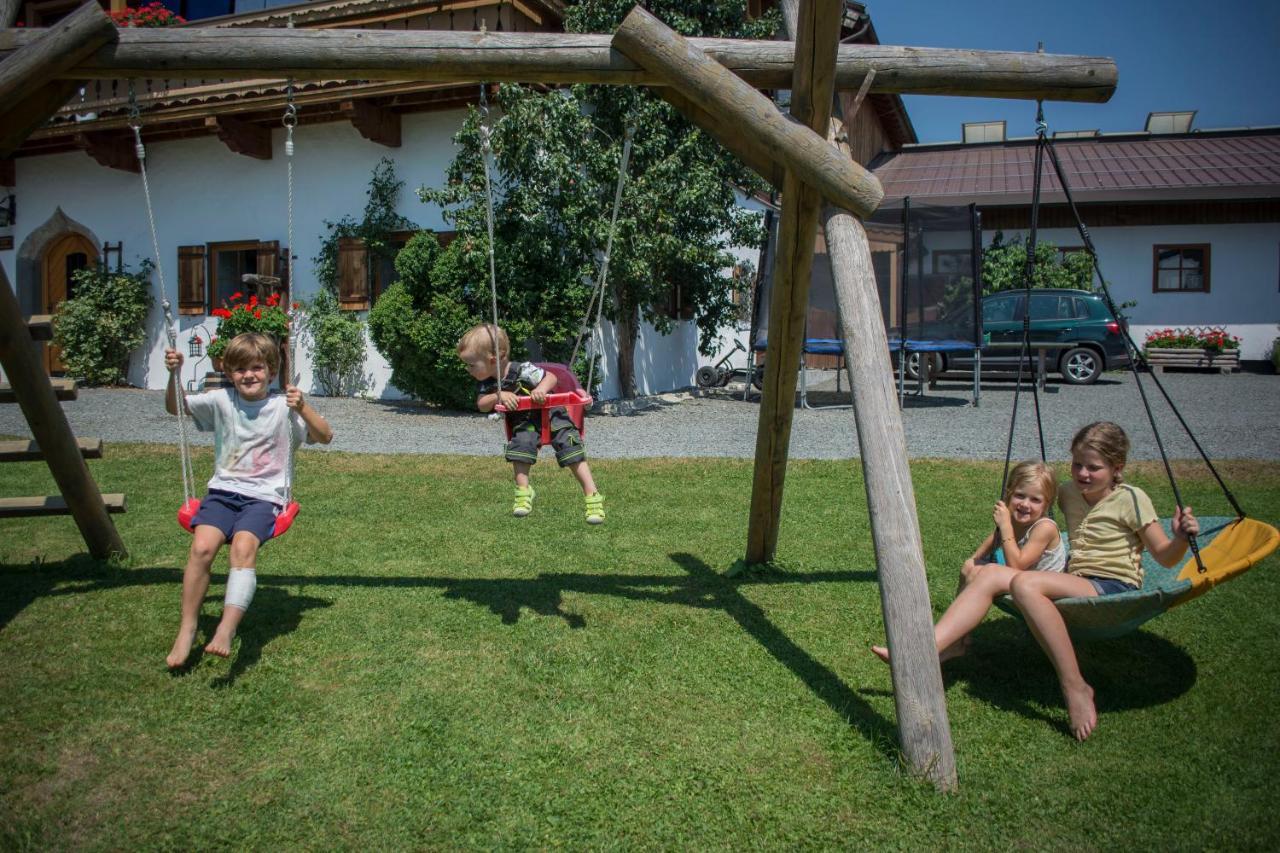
x=63, y=389
x=51, y=505
x=27, y=450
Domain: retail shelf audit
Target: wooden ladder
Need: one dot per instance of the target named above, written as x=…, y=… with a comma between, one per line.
x=30, y=386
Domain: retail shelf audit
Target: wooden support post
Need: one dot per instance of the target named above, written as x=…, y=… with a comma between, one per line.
x=375, y=123
x=50, y=428
x=819, y=25
x=242, y=137
x=9, y=10
x=8, y=173
x=717, y=90
x=110, y=150
x=59, y=49
x=436, y=56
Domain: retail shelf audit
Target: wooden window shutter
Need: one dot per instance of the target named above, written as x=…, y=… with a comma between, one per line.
x=353, y=274
x=191, y=280
x=268, y=258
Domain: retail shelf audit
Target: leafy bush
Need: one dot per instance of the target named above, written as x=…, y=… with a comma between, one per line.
x=417, y=321
x=1212, y=338
x=104, y=323
x=336, y=347
x=1004, y=265
x=248, y=315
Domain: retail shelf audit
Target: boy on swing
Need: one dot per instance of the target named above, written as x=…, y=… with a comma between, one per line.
x=255, y=432
x=477, y=350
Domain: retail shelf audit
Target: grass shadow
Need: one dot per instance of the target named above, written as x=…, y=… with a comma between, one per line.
x=1006, y=668
x=275, y=613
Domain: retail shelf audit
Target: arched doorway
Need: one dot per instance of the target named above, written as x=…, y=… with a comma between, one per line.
x=64, y=255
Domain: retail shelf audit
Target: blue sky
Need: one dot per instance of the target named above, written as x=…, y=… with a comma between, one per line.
x=1221, y=59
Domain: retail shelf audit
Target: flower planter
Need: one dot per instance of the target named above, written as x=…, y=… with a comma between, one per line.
x=1224, y=361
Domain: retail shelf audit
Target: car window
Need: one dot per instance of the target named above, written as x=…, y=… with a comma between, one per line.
x=1081, y=307
x=1048, y=306
x=1001, y=309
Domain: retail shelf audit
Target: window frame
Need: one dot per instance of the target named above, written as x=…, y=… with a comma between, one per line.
x=1157, y=248
x=211, y=269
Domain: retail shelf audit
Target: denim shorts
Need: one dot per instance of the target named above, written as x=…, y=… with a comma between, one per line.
x=232, y=513
x=1109, y=586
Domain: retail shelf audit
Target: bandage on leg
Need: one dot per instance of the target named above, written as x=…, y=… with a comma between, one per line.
x=241, y=584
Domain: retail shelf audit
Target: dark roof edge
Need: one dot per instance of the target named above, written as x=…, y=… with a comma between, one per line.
x=1116, y=136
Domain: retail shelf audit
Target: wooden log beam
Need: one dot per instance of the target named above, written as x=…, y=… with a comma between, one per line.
x=57, y=50
x=375, y=123
x=453, y=57
x=819, y=26
x=110, y=150
x=729, y=134
x=49, y=427
x=8, y=173
x=242, y=137
x=33, y=111
x=716, y=90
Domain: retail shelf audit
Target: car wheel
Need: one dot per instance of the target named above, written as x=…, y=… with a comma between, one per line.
x=936, y=366
x=1080, y=366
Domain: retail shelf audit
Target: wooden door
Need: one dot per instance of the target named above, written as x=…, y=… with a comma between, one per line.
x=65, y=255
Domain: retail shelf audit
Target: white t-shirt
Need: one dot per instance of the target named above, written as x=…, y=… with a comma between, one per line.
x=251, y=441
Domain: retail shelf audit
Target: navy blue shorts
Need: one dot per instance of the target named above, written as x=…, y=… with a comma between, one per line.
x=232, y=513
x=1109, y=586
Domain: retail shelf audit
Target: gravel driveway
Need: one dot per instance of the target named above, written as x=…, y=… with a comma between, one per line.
x=1233, y=416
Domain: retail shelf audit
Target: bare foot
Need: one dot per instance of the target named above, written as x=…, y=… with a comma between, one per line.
x=955, y=650
x=220, y=645
x=181, y=648
x=881, y=652
x=1080, y=708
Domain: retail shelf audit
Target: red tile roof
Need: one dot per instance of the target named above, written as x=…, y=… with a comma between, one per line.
x=1239, y=164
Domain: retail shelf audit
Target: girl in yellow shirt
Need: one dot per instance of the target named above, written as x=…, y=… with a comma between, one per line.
x=1108, y=523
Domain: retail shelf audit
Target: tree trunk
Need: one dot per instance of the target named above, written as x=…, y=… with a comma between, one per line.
x=625, y=329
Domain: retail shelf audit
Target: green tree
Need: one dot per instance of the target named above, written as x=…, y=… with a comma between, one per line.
x=1004, y=266
x=556, y=157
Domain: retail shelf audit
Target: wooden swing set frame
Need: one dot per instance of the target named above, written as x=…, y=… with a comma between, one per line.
x=713, y=82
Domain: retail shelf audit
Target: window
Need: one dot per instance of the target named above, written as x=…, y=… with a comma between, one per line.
x=48, y=13
x=1046, y=306
x=953, y=262
x=361, y=278
x=210, y=275
x=1002, y=309
x=1181, y=269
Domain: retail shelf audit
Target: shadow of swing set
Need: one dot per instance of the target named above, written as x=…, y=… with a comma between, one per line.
x=714, y=84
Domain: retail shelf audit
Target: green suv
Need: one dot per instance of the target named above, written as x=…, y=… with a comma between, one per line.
x=1086, y=338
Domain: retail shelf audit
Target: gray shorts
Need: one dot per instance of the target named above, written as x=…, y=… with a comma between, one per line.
x=526, y=438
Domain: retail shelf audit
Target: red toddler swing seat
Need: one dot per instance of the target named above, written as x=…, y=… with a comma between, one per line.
x=574, y=400
x=188, y=511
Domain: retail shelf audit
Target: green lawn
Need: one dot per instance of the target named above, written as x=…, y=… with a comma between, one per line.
x=419, y=669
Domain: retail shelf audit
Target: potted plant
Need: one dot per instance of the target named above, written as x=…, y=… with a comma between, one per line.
x=247, y=315
x=1195, y=347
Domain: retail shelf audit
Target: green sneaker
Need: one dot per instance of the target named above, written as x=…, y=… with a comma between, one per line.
x=524, y=501
x=595, y=508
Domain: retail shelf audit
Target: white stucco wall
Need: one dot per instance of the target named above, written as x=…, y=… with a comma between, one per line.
x=1244, y=278
x=203, y=193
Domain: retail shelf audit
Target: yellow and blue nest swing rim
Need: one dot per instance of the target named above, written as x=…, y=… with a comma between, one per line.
x=1228, y=547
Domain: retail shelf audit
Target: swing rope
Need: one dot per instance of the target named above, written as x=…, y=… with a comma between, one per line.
x=171, y=325
x=486, y=150
x=1044, y=144
x=597, y=293
x=290, y=121
x=1028, y=272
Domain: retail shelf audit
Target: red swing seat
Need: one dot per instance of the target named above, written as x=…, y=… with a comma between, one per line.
x=573, y=398
x=283, y=520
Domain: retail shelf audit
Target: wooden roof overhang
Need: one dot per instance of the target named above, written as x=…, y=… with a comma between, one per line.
x=181, y=109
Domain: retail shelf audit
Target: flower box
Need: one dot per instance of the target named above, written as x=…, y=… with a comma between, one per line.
x=1224, y=361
